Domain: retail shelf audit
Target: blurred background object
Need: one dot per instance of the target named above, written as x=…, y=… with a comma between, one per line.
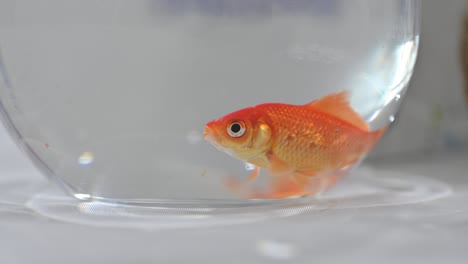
x=434, y=115
x=464, y=52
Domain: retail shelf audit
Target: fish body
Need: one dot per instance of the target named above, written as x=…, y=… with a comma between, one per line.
x=295, y=141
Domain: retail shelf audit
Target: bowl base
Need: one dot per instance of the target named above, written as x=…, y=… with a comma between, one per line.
x=364, y=188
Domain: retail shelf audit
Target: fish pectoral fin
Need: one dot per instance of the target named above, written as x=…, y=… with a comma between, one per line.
x=255, y=172
x=260, y=161
x=278, y=166
x=337, y=104
x=271, y=162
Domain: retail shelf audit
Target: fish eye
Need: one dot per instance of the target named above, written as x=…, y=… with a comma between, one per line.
x=236, y=129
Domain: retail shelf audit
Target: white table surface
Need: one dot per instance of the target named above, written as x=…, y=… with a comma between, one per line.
x=433, y=231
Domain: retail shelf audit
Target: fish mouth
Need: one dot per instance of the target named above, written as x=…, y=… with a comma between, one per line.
x=209, y=133
x=213, y=136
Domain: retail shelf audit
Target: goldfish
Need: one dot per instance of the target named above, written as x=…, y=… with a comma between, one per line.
x=295, y=143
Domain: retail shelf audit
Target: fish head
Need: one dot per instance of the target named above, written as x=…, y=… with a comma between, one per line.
x=242, y=134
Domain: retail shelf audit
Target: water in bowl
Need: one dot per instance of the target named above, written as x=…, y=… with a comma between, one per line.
x=110, y=98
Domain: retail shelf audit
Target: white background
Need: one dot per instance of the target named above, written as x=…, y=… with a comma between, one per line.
x=431, y=232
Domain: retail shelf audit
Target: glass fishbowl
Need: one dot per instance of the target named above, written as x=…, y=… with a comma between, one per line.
x=131, y=101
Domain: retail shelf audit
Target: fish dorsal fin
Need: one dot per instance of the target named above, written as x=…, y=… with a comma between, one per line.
x=337, y=104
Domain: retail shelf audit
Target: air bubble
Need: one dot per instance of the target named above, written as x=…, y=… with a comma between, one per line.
x=86, y=158
x=193, y=137
x=276, y=250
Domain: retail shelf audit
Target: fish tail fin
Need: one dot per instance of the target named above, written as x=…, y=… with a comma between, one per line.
x=376, y=135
